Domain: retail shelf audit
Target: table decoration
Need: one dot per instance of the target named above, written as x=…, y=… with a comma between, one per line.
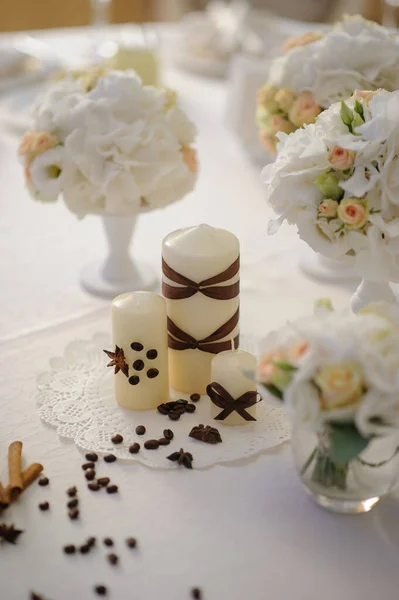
x=115, y=148
x=140, y=355
x=201, y=286
x=319, y=69
x=336, y=180
x=76, y=396
x=337, y=375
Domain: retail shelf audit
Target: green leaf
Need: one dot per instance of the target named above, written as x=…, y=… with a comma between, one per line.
x=284, y=366
x=274, y=391
x=345, y=443
x=346, y=115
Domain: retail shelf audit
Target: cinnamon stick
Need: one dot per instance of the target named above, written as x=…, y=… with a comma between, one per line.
x=28, y=477
x=14, y=467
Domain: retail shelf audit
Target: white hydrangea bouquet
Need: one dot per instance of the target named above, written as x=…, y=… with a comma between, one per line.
x=109, y=145
x=338, y=375
x=320, y=68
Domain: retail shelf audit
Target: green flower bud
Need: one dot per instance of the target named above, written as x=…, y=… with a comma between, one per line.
x=346, y=115
x=328, y=184
x=281, y=379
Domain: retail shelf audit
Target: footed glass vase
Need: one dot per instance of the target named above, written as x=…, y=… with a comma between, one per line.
x=345, y=486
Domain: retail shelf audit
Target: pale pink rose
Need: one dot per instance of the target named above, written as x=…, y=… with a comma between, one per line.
x=328, y=208
x=280, y=123
x=353, y=212
x=365, y=95
x=341, y=159
x=26, y=144
x=268, y=141
x=265, y=96
x=341, y=385
x=297, y=351
x=304, y=110
x=266, y=368
x=285, y=98
x=44, y=142
x=27, y=173
x=302, y=40
x=190, y=158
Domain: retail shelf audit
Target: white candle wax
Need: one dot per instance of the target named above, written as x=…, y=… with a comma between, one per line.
x=228, y=369
x=199, y=253
x=139, y=327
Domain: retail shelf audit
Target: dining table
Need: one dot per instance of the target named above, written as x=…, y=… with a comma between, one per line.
x=239, y=530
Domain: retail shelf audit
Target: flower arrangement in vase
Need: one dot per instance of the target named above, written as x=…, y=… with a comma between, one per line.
x=112, y=147
x=337, y=181
x=320, y=68
x=338, y=377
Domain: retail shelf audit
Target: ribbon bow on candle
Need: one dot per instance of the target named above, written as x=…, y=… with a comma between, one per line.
x=180, y=340
x=221, y=398
x=206, y=287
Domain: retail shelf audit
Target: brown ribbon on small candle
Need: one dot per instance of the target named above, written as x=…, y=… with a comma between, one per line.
x=180, y=340
x=206, y=287
x=221, y=398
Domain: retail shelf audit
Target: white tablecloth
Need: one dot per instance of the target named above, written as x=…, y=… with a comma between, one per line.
x=243, y=531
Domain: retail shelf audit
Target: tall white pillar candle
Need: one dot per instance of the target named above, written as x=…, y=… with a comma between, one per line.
x=229, y=371
x=210, y=257
x=139, y=329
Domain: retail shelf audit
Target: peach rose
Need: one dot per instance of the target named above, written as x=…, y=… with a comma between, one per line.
x=304, y=110
x=280, y=123
x=265, y=96
x=26, y=143
x=268, y=141
x=43, y=142
x=297, y=351
x=27, y=173
x=353, y=212
x=341, y=159
x=285, y=98
x=341, y=385
x=365, y=95
x=190, y=158
x=266, y=368
x=302, y=40
x=328, y=208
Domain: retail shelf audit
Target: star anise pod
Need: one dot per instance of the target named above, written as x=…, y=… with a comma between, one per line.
x=9, y=534
x=208, y=434
x=182, y=458
x=118, y=361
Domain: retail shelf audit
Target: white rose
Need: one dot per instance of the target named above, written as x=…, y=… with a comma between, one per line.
x=47, y=174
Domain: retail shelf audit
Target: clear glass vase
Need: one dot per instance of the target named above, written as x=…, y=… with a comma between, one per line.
x=353, y=487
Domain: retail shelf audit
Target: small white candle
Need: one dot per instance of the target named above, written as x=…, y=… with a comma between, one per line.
x=139, y=328
x=228, y=370
x=200, y=253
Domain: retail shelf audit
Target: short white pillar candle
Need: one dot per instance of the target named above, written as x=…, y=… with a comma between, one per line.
x=139, y=328
x=229, y=370
x=200, y=253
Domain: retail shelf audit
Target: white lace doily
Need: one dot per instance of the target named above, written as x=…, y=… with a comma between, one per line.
x=76, y=396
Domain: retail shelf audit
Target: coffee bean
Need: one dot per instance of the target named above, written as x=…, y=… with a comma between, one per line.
x=152, y=373
x=72, y=491
x=93, y=487
x=138, y=365
x=152, y=354
x=134, y=448
x=190, y=408
x=73, y=503
x=108, y=541
x=168, y=434
x=91, y=541
x=131, y=542
x=162, y=409
x=174, y=416
x=110, y=458
x=44, y=506
x=137, y=346
x=85, y=549
x=117, y=438
x=134, y=380
x=35, y=596
x=112, y=489
x=180, y=401
x=101, y=590
x=196, y=593
x=43, y=481
x=69, y=549
x=180, y=409
x=113, y=559
x=103, y=481
x=90, y=474
x=88, y=465
x=151, y=444
x=140, y=430
x=195, y=397
x=163, y=441
x=91, y=456
x=73, y=514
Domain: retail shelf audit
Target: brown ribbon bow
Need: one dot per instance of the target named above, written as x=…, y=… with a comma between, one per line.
x=221, y=397
x=180, y=340
x=206, y=287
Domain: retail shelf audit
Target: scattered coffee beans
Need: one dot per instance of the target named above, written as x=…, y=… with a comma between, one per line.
x=134, y=448
x=91, y=456
x=138, y=365
x=112, y=489
x=43, y=481
x=91, y=541
x=70, y=549
x=72, y=491
x=113, y=559
x=85, y=549
x=152, y=354
x=101, y=590
x=140, y=430
x=151, y=444
x=196, y=593
x=73, y=514
x=88, y=465
x=131, y=542
x=190, y=408
x=117, y=438
x=195, y=397
x=108, y=541
x=103, y=481
x=93, y=486
x=168, y=434
x=137, y=346
x=163, y=441
x=44, y=506
x=90, y=474
x=73, y=503
x=110, y=458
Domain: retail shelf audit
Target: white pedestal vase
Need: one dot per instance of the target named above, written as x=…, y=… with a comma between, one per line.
x=118, y=273
x=326, y=269
x=372, y=291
